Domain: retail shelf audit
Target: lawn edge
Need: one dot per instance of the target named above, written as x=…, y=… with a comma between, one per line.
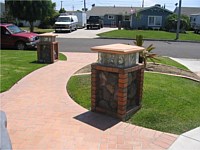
x=147, y=39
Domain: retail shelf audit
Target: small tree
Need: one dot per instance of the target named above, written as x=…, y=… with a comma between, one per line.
x=30, y=10
x=146, y=53
x=171, y=23
x=62, y=10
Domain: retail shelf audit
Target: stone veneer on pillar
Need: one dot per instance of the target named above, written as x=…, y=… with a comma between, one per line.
x=117, y=80
x=47, y=48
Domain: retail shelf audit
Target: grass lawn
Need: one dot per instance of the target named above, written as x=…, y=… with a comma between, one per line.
x=16, y=64
x=38, y=30
x=170, y=104
x=169, y=62
x=149, y=34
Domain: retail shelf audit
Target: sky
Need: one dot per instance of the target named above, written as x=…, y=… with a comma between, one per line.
x=78, y=4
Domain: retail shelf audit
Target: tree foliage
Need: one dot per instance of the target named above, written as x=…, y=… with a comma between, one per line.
x=62, y=10
x=30, y=10
x=49, y=20
x=171, y=22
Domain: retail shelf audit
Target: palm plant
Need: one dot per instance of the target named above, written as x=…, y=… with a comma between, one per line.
x=146, y=53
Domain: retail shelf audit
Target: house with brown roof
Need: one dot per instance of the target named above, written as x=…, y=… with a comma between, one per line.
x=132, y=17
x=112, y=15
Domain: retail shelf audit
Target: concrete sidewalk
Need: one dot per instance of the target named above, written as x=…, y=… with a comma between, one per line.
x=191, y=64
x=187, y=141
x=42, y=116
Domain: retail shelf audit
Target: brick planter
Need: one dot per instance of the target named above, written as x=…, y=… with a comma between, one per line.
x=117, y=89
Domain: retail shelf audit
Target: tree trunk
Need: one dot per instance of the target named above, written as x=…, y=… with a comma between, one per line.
x=141, y=59
x=31, y=26
x=145, y=62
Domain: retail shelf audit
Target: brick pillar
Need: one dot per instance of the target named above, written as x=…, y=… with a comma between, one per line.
x=93, y=89
x=117, y=80
x=122, y=95
x=122, y=90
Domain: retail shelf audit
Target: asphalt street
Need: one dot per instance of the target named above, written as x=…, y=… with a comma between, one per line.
x=164, y=48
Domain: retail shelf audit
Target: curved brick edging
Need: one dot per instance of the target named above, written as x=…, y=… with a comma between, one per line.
x=41, y=115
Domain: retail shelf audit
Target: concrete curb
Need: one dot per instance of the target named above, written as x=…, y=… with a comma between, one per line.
x=164, y=40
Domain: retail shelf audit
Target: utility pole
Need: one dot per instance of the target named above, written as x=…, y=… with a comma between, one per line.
x=61, y=4
x=142, y=3
x=84, y=5
x=179, y=20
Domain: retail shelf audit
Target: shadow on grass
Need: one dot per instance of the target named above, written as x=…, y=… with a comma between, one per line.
x=14, y=49
x=37, y=62
x=96, y=120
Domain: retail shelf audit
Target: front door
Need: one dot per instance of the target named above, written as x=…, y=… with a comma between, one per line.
x=119, y=18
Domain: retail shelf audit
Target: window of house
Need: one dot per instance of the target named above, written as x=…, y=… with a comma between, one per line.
x=154, y=20
x=126, y=18
x=110, y=17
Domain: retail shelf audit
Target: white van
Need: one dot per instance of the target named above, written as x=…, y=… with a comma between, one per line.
x=66, y=23
x=81, y=15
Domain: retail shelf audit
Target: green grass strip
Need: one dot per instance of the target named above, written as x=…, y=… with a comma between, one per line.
x=170, y=104
x=149, y=34
x=169, y=62
x=16, y=64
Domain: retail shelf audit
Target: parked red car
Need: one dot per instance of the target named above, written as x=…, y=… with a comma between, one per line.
x=14, y=37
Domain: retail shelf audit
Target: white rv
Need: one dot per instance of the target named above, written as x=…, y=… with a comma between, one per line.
x=66, y=23
x=195, y=22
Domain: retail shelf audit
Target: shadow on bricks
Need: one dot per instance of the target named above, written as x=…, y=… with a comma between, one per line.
x=99, y=121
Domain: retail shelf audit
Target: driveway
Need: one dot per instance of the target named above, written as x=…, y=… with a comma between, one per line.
x=84, y=33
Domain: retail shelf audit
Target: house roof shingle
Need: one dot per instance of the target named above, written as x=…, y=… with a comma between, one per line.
x=188, y=10
x=114, y=10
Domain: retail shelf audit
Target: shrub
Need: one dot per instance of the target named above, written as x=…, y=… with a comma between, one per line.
x=146, y=54
x=171, y=23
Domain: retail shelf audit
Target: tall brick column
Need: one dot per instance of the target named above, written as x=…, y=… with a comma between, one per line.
x=117, y=80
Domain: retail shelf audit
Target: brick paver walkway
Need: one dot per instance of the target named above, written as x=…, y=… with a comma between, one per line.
x=42, y=116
